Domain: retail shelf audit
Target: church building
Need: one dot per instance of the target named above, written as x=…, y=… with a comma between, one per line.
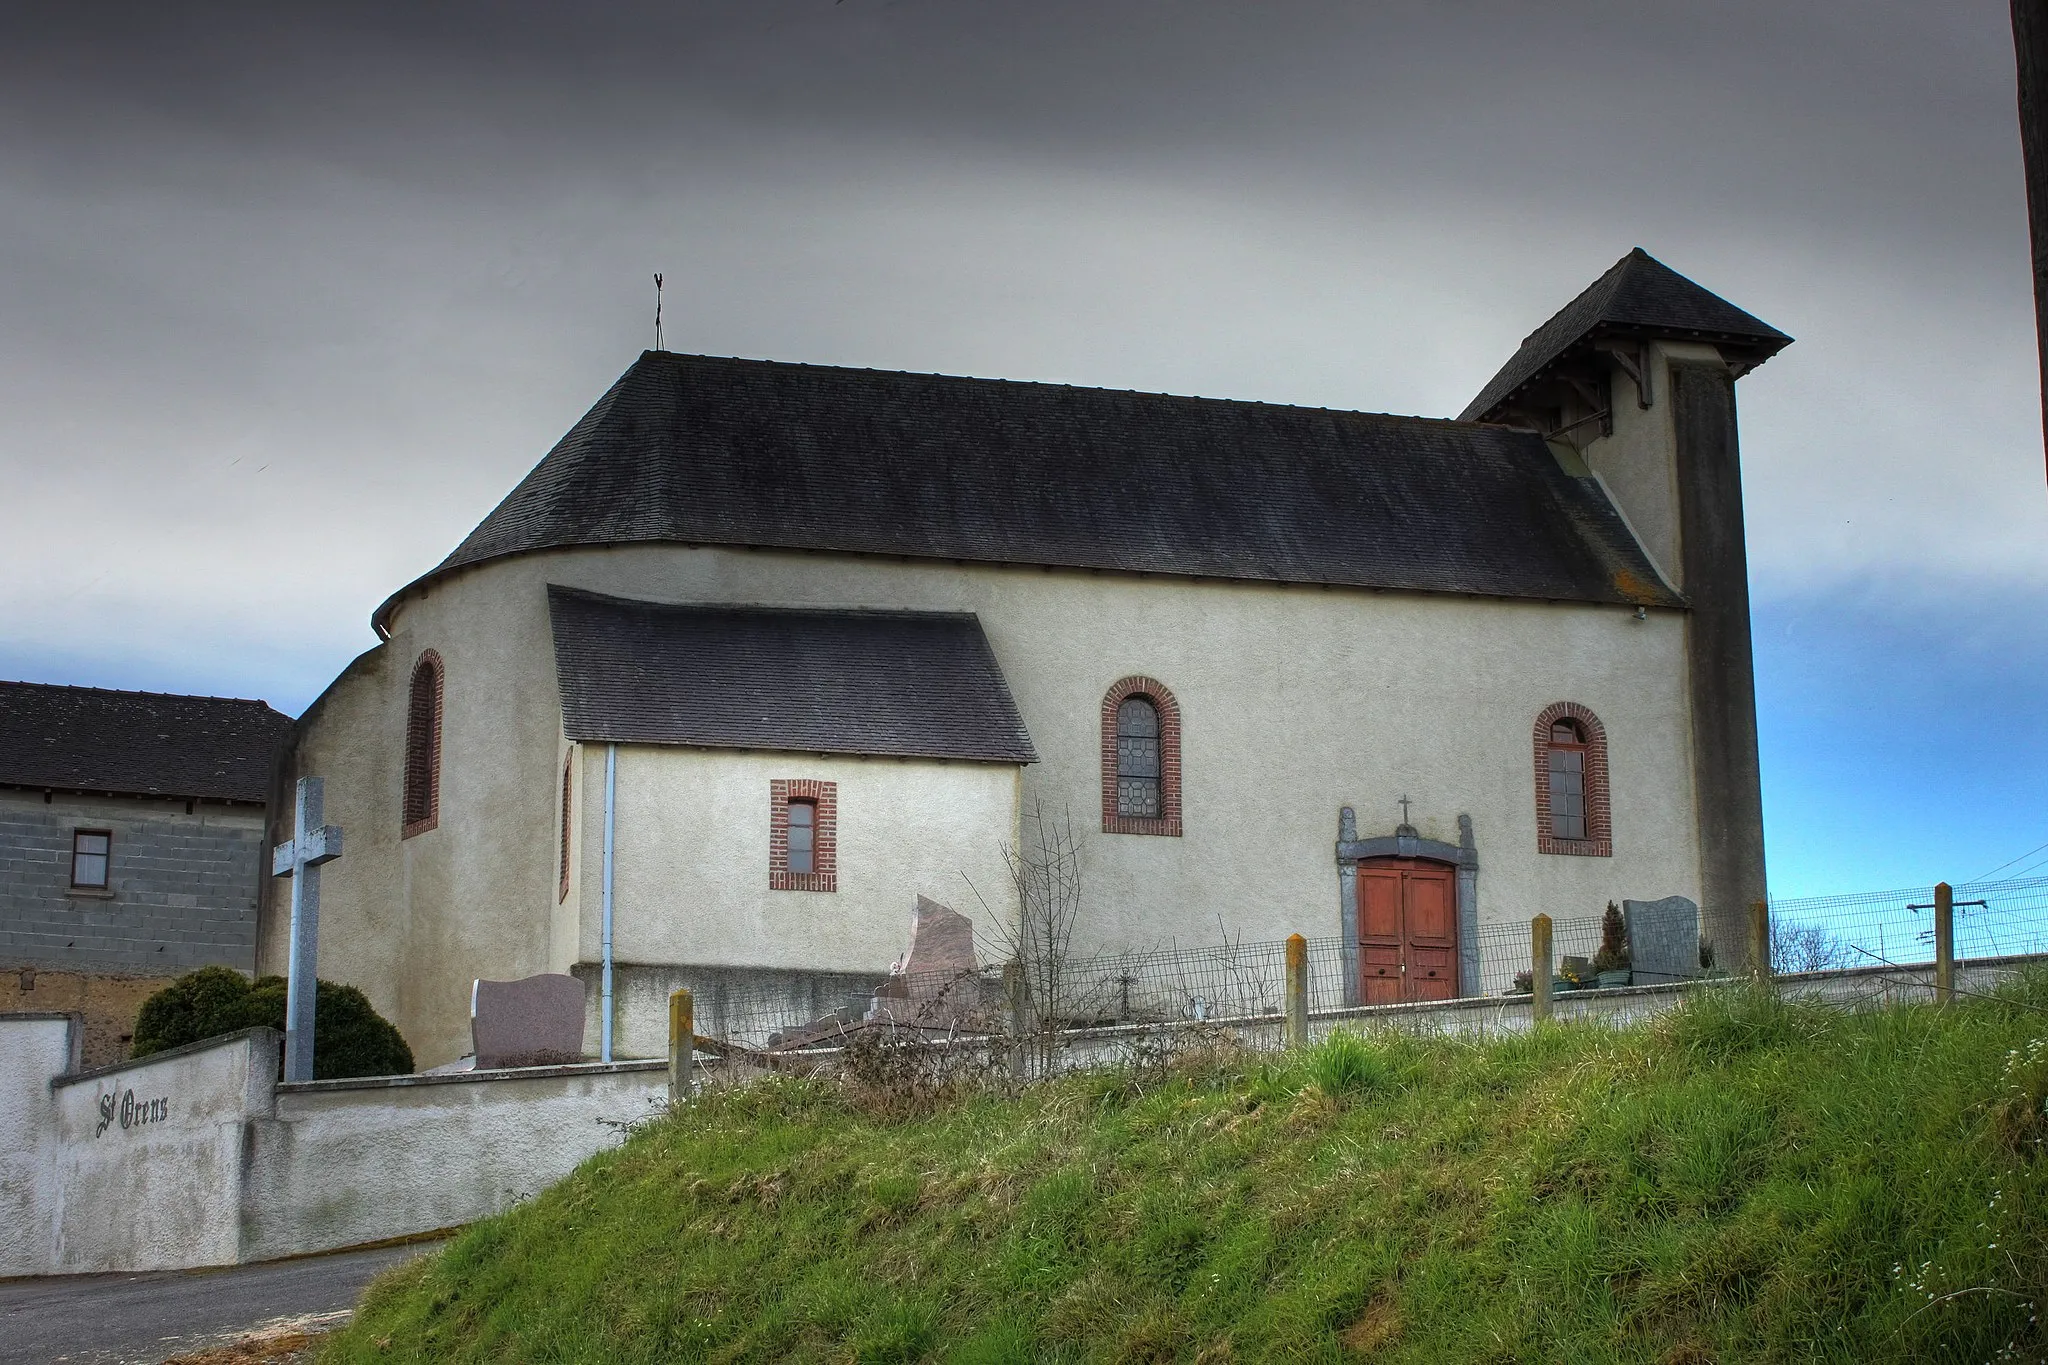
x=760, y=653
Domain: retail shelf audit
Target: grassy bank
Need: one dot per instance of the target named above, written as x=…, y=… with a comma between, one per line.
x=1743, y=1180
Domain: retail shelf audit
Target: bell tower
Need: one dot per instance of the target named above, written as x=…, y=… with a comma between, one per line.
x=1632, y=383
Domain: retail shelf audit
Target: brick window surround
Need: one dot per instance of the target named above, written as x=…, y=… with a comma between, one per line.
x=1167, y=822
x=824, y=799
x=422, y=810
x=1599, y=840
x=568, y=760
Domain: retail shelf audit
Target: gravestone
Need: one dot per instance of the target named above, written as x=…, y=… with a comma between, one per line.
x=934, y=984
x=535, y=1021
x=1663, y=939
x=941, y=940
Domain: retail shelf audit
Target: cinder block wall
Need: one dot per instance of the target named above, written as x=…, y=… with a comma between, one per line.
x=183, y=886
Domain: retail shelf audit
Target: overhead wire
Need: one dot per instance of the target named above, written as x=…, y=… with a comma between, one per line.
x=1982, y=876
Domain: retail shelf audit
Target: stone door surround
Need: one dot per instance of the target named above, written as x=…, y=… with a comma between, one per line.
x=1404, y=842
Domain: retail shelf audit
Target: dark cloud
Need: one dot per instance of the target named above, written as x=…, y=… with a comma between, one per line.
x=289, y=295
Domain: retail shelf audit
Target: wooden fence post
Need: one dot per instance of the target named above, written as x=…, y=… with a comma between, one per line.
x=1017, y=997
x=1944, y=943
x=1540, y=969
x=682, y=1044
x=1760, y=940
x=1297, y=991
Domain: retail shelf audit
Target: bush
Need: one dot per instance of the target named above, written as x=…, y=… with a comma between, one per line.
x=350, y=1037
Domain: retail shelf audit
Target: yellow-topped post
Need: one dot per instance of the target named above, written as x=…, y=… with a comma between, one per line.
x=1541, y=969
x=1944, y=943
x=1297, y=991
x=682, y=1042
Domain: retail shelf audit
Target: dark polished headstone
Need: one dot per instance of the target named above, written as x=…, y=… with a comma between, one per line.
x=1663, y=939
x=535, y=1021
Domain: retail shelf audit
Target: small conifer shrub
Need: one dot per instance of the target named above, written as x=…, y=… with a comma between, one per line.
x=350, y=1037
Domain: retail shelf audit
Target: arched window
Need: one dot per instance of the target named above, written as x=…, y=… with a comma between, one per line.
x=1137, y=757
x=1140, y=759
x=1572, y=807
x=423, y=747
x=568, y=762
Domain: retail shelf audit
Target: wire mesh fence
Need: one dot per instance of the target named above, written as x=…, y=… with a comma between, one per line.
x=825, y=1011
x=1236, y=981
x=1230, y=980
x=1827, y=933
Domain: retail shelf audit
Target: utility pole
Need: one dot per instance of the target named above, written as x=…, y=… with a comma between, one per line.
x=2030, y=48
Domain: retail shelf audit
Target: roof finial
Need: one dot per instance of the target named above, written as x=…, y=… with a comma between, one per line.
x=657, y=312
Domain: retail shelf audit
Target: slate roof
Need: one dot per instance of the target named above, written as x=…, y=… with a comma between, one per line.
x=898, y=683
x=138, y=743
x=702, y=450
x=1638, y=296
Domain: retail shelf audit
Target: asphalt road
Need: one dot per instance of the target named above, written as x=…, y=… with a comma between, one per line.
x=143, y=1319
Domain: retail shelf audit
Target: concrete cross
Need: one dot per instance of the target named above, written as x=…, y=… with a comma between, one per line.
x=299, y=858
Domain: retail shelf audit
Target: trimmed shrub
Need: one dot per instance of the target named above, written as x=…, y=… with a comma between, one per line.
x=351, y=1038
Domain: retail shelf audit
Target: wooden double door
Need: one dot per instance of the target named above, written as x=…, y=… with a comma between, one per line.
x=1407, y=931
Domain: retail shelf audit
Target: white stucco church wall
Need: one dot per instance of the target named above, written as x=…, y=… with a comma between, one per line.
x=1295, y=702
x=692, y=840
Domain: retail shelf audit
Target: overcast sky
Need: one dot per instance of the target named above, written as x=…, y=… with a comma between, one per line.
x=291, y=295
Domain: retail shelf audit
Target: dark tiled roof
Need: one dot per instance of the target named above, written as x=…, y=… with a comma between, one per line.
x=138, y=743
x=907, y=683
x=748, y=452
x=1638, y=296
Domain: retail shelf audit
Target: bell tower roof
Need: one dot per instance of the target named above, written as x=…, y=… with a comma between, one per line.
x=1638, y=299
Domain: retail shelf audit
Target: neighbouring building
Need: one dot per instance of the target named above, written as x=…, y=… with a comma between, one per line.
x=131, y=845
x=760, y=652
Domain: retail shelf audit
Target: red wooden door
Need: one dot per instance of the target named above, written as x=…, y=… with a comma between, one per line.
x=1407, y=931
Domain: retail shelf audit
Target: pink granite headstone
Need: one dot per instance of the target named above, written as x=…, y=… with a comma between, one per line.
x=535, y=1021
x=941, y=942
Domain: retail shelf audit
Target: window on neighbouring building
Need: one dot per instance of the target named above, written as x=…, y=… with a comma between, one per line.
x=90, y=851
x=1137, y=757
x=803, y=833
x=1567, y=781
x=423, y=747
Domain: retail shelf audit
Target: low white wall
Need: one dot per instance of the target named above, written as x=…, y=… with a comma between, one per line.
x=199, y=1157
x=34, y=1048
x=347, y=1162
x=147, y=1156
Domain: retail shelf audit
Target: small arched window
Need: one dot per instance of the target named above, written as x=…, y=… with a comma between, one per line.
x=1572, y=807
x=568, y=762
x=423, y=747
x=803, y=835
x=1140, y=759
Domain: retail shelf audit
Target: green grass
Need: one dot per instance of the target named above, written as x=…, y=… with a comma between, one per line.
x=1741, y=1181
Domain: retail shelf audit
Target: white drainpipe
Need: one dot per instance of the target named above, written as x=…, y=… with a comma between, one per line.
x=611, y=791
